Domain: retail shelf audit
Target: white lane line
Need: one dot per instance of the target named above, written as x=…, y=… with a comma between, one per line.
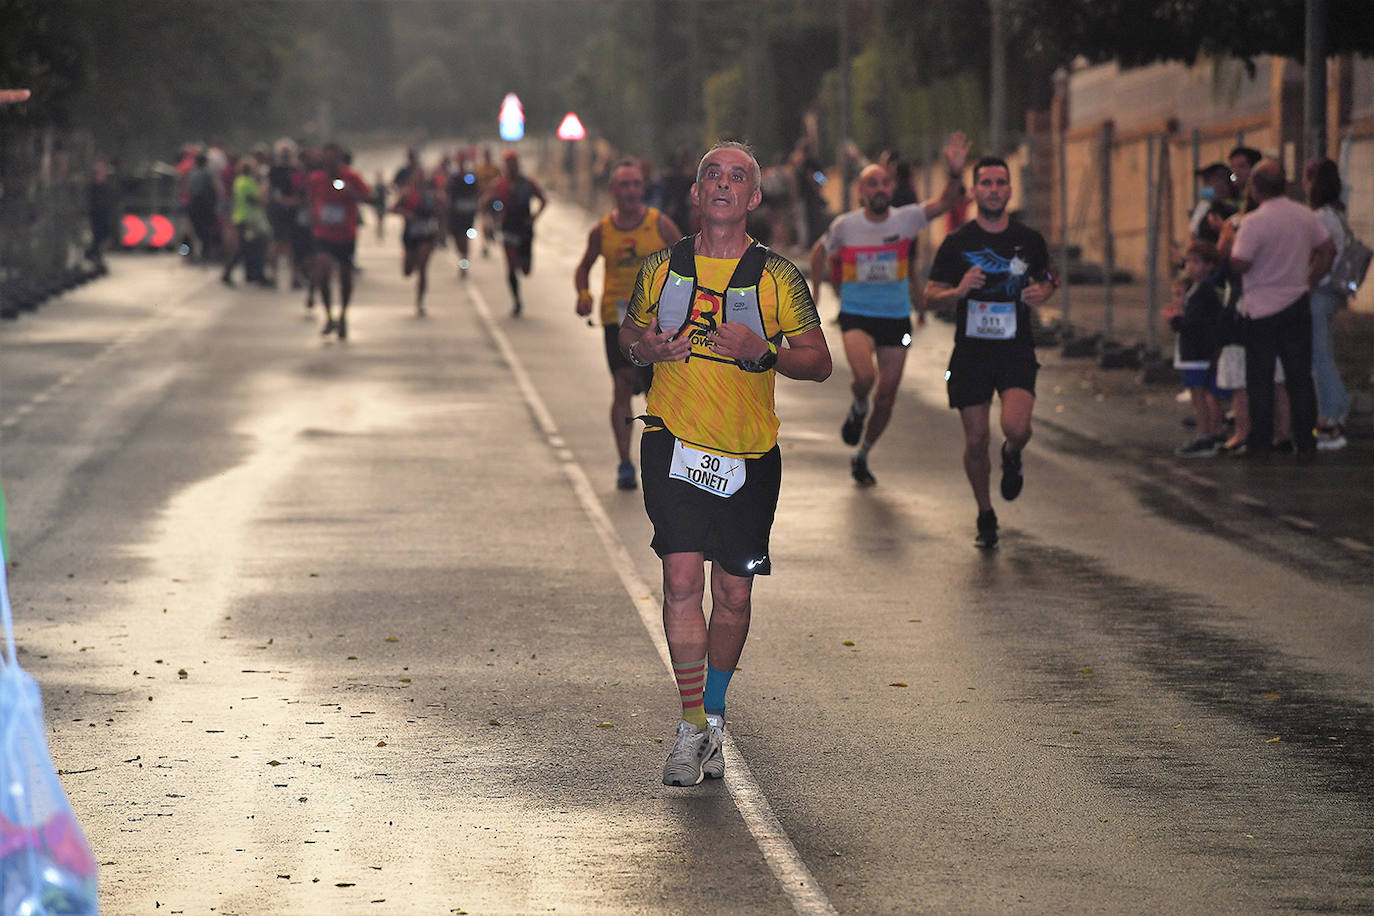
x=1299, y=522
x=777, y=848
x=1354, y=544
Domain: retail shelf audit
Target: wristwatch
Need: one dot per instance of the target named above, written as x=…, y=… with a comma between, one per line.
x=763, y=363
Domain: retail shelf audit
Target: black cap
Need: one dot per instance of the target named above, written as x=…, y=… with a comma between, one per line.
x=1216, y=168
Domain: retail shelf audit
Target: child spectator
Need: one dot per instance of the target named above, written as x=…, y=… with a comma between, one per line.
x=1196, y=321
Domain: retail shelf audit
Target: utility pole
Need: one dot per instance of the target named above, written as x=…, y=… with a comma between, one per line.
x=754, y=62
x=842, y=141
x=1314, y=101
x=997, y=113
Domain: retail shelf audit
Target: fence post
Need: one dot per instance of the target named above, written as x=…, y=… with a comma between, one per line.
x=1108, y=255
x=1152, y=198
x=1061, y=132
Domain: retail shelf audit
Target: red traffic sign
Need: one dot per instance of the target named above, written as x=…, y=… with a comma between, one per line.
x=157, y=230
x=571, y=128
x=135, y=231
x=163, y=230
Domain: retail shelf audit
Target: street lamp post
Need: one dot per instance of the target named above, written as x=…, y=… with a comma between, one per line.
x=1314, y=100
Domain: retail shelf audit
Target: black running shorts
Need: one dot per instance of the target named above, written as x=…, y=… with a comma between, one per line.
x=886, y=332
x=975, y=372
x=731, y=532
x=339, y=251
x=644, y=375
x=614, y=358
x=522, y=240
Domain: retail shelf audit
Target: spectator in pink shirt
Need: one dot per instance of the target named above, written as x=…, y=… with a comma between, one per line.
x=1282, y=251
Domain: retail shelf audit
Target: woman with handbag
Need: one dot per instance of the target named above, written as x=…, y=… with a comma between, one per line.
x=1322, y=182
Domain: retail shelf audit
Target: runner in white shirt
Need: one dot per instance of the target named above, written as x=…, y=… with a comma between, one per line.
x=872, y=252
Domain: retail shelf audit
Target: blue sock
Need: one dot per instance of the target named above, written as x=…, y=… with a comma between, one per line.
x=717, y=682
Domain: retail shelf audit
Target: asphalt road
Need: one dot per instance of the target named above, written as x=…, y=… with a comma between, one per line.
x=365, y=627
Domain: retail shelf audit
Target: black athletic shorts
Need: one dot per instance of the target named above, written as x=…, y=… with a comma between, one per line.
x=644, y=375
x=975, y=372
x=731, y=532
x=413, y=243
x=886, y=332
x=339, y=251
x=460, y=219
x=614, y=358
x=521, y=239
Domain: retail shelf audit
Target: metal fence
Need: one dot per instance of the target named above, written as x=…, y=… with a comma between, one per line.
x=44, y=224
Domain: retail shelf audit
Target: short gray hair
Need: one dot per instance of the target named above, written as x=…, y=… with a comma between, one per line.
x=755, y=172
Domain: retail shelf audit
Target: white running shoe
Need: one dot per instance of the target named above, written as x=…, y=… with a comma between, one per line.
x=690, y=750
x=713, y=767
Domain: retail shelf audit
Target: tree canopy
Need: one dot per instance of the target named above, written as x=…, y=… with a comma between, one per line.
x=650, y=76
x=1136, y=32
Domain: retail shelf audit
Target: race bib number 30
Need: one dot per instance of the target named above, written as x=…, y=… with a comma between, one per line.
x=991, y=320
x=718, y=474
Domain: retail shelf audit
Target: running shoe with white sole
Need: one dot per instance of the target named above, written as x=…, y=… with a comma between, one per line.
x=853, y=426
x=690, y=750
x=713, y=767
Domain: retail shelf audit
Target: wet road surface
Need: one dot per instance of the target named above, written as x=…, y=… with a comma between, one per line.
x=361, y=627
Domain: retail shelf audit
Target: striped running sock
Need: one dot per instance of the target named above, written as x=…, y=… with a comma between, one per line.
x=691, y=679
x=717, y=682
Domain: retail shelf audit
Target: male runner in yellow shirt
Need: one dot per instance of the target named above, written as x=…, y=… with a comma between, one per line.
x=624, y=237
x=711, y=315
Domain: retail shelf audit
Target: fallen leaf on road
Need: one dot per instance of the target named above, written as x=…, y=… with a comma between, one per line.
x=494, y=722
x=848, y=642
x=897, y=684
x=1271, y=696
x=274, y=763
x=393, y=639
x=181, y=673
x=1273, y=740
x=1087, y=671
x=604, y=725
x=381, y=744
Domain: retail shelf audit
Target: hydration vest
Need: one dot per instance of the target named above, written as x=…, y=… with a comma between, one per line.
x=741, y=293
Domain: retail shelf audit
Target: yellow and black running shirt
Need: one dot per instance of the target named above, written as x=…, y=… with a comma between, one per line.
x=624, y=250
x=707, y=401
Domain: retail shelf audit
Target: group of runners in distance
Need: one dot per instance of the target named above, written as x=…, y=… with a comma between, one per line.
x=448, y=204
x=714, y=316
x=313, y=201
